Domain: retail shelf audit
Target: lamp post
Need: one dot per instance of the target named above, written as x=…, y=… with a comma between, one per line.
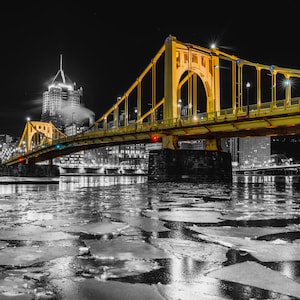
x=248, y=85
x=73, y=122
x=288, y=92
x=179, y=108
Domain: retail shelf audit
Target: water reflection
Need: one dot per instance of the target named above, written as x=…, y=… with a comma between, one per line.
x=71, y=183
x=20, y=188
x=139, y=232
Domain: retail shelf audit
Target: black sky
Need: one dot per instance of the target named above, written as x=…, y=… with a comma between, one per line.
x=106, y=46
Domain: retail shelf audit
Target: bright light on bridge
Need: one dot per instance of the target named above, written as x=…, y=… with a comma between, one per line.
x=155, y=138
x=287, y=82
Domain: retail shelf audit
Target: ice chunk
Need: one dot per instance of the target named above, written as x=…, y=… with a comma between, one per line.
x=144, y=223
x=252, y=232
x=95, y=289
x=202, y=289
x=253, y=274
x=196, y=250
x=15, y=288
x=190, y=216
x=34, y=233
x=262, y=250
x=27, y=256
x=98, y=228
x=120, y=248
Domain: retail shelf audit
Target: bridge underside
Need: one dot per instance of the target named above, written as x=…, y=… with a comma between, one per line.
x=187, y=131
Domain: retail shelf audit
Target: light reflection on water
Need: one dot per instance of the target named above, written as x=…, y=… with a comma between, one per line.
x=90, y=198
x=68, y=183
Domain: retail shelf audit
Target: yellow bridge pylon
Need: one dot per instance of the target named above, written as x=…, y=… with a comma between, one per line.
x=38, y=133
x=193, y=77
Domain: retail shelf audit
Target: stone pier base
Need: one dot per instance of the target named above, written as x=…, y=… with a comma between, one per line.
x=189, y=165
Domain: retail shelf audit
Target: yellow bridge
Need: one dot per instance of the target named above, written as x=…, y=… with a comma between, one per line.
x=187, y=92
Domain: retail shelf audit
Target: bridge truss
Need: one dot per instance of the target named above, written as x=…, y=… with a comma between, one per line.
x=188, y=92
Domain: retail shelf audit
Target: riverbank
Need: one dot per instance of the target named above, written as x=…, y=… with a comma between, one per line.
x=23, y=170
x=24, y=180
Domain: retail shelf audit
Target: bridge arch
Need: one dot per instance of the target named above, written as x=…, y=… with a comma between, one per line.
x=181, y=58
x=192, y=95
x=38, y=133
x=154, y=96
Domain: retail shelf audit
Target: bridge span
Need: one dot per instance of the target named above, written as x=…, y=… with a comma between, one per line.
x=186, y=92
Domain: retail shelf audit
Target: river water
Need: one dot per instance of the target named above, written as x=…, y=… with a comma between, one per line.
x=122, y=237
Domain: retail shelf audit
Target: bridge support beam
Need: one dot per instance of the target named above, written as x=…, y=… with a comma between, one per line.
x=189, y=165
x=213, y=145
x=170, y=142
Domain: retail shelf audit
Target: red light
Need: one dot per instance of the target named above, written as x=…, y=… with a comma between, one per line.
x=20, y=159
x=154, y=138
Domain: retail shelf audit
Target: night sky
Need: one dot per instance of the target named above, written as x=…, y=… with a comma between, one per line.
x=106, y=47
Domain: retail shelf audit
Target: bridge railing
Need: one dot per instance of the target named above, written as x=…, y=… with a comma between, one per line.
x=251, y=111
x=229, y=115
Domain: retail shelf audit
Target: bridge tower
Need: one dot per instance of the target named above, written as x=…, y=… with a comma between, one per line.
x=180, y=59
x=183, y=64
x=37, y=134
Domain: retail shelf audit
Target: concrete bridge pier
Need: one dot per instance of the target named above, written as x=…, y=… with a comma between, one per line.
x=189, y=165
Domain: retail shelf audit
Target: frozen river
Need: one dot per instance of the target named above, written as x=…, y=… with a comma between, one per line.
x=122, y=238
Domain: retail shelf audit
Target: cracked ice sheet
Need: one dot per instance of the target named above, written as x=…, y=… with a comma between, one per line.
x=258, y=215
x=144, y=223
x=15, y=288
x=251, y=232
x=27, y=256
x=123, y=249
x=216, y=206
x=264, y=251
x=57, y=223
x=34, y=233
x=190, y=216
x=92, y=289
x=196, y=250
x=201, y=290
x=2, y=244
x=98, y=228
x=253, y=274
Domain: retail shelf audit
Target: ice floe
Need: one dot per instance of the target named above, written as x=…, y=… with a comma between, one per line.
x=195, y=250
x=253, y=274
x=190, y=216
x=264, y=251
x=30, y=255
x=123, y=248
x=144, y=223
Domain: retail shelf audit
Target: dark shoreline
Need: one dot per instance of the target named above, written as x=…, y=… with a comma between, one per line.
x=27, y=180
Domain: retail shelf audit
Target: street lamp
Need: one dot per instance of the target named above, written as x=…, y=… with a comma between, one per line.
x=248, y=85
x=73, y=113
x=179, y=108
x=288, y=87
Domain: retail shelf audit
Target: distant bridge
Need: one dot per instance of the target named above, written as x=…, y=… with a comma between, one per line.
x=186, y=92
x=295, y=168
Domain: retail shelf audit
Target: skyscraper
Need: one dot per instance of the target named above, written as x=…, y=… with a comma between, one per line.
x=61, y=101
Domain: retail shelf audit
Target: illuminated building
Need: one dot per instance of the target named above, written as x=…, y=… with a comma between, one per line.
x=254, y=151
x=61, y=101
